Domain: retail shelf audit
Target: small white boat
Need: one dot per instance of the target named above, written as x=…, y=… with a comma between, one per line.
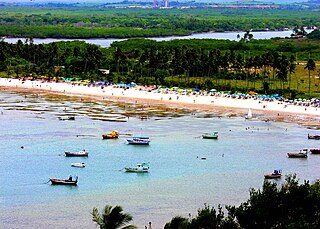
x=249, y=115
x=138, y=140
x=78, y=164
x=140, y=168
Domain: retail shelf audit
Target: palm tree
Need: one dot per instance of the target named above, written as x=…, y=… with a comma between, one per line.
x=112, y=218
x=311, y=66
x=292, y=67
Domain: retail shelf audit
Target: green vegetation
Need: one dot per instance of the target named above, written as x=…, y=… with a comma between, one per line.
x=102, y=22
x=112, y=218
x=314, y=35
x=293, y=205
x=284, y=66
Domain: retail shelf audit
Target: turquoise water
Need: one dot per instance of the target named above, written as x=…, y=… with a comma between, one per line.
x=179, y=182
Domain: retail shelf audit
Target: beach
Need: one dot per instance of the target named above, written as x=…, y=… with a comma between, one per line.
x=218, y=103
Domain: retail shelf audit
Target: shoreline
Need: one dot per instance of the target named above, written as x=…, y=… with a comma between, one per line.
x=217, y=104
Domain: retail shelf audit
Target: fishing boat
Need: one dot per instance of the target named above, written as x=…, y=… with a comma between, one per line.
x=315, y=151
x=138, y=140
x=114, y=134
x=276, y=174
x=69, y=181
x=140, y=168
x=315, y=137
x=301, y=154
x=78, y=164
x=214, y=135
x=249, y=115
x=82, y=153
x=71, y=118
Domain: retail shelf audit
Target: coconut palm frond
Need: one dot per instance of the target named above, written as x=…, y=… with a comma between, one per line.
x=130, y=227
x=112, y=218
x=97, y=218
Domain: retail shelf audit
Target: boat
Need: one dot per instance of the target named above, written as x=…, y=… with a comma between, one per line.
x=69, y=181
x=249, y=115
x=114, y=134
x=315, y=151
x=315, y=137
x=138, y=140
x=140, y=168
x=72, y=118
x=301, y=154
x=214, y=135
x=81, y=153
x=78, y=164
x=276, y=174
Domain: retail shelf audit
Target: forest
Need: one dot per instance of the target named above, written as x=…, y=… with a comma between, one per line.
x=284, y=66
x=63, y=22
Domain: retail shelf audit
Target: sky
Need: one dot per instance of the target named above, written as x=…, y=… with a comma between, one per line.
x=106, y=1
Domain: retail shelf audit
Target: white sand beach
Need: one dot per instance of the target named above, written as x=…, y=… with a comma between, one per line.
x=143, y=95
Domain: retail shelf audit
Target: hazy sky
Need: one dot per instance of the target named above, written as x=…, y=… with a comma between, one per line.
x=106, y=1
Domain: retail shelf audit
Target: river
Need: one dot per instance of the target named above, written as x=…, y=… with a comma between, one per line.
x=210, y=35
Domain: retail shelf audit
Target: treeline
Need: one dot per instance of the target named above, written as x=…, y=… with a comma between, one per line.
x=265, y=66
x=103, y=23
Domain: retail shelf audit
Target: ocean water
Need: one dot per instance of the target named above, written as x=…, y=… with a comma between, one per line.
x=179, y=181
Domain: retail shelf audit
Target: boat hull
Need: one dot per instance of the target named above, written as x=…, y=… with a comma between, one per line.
x=272, y=176
x=297, y=155
x=315, y=151
x=315, y=137
x=78, y=165
x=55, y=181
x=76, y=154
x=114, y=134
x=133, y=170
x=209, y=137
x=107, y=136
x=132, y=142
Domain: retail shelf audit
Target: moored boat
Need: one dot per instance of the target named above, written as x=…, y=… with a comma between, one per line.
x=81, y=153
x=276, y=174
x=315, y=137
x=69, y=181
x=112, y=135
x=249, y=115
x=315, y=151
x=78, y=164
x=214, y=135
x=301, y=154
x=140, y=168
x=72, y=118
x=138, y=140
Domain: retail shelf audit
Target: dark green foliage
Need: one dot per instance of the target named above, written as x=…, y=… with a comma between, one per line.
x=314, y=35
x=292, y=206
x=112, y=218
x=177, y=222
x=100, y=22
x=207, y=218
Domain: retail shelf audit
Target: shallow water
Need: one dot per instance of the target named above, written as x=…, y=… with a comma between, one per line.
x=179, y=182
